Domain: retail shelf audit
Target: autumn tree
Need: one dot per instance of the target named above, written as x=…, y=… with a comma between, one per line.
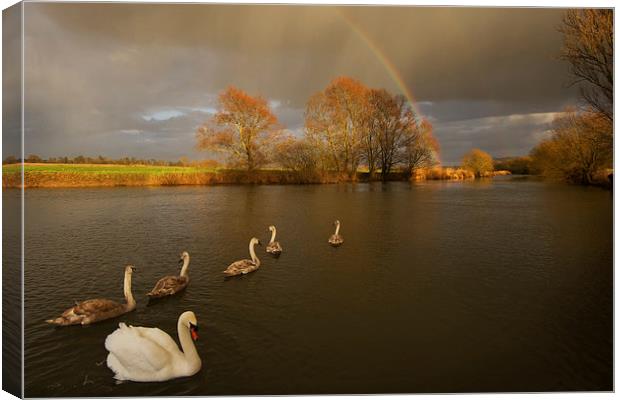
x=422, y=149
x=370, y=148
x=579, y=147
x=389, y=129
x=243, y=128
x=335, y=120
x=588, y=47
x=298, y=155
x=478, y=162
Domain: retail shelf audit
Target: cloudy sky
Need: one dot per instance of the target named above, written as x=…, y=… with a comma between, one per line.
x=137, y=79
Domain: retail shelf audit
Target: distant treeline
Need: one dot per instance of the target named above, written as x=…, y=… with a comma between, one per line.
x=183, y=161
x=516, y=165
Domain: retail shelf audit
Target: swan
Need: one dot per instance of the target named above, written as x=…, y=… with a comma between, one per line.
x=150, y=355
x=273, y=247
x=336, y=239
x=243, y=267
x=95, y=310
x=169, y=285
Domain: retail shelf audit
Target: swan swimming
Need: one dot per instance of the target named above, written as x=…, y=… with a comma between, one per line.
x=150, y=355
x=169, y=285
x=273, y=247
x=336, y=239
x=90, y=311
x=243, y=267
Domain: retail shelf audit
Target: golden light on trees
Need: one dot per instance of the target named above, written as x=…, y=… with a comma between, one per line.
x=423, y=149
x=479, y=162
x=392, y=125
x=351, y=124
x=580, y=149
x=346, y=125
x=398, y=137
x=243, y=128
x=588, y=47
x=335, y=120
x=580, y=146
x=299, y=155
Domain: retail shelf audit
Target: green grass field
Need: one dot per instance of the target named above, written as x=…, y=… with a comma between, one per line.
x=92, y=175
x=104, y=169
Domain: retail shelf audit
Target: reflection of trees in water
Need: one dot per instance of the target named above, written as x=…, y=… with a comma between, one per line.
x=482, y=183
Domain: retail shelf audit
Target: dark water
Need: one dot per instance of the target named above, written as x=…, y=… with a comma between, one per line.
x=12, y=293
x=439, y=287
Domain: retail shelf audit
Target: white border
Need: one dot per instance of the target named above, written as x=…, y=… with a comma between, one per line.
x=480, y=3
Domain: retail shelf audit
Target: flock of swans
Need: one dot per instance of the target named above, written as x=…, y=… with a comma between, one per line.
x=149, y=354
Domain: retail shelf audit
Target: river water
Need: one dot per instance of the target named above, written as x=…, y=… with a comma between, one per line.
x=502, y=285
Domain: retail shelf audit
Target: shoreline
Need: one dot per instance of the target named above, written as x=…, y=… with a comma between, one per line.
x=114, y=175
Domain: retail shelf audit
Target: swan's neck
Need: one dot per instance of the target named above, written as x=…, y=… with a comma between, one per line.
x=187, y=345
x=273, y=236
x=337, y=229
x=255, y=259
x=131, y=303
x=185, y=266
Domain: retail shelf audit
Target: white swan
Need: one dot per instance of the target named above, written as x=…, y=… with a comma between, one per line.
x=273, y=247
x=169, y=285
x=336, y=239
x=95, y=310
x=150, y=355
x=243, y=267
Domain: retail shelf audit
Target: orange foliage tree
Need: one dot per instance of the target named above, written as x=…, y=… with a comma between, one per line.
x=580, y=146
x=479, y=162
x=335, y=121
x=350, y=123
x=244, y=127
x=399, y=138
x=298, y=155
x=422, y=149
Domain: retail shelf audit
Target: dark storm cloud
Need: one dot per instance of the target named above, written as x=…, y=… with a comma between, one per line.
x=11, y=81
x=488, y=133
x=95, y=73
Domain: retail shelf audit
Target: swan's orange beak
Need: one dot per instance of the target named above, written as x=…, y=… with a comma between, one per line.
x=193, y=329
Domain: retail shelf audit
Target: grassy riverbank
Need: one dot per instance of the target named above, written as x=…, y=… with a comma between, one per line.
x=46, y=175
x=93, y=175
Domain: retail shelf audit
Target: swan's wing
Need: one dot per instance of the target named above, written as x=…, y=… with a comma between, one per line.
x=274, y=247
x=239, y=267
x=136, y=349
x=158, y=336
x=335, y=239
x=168, y=284
x=88, y=311
x=93, y=306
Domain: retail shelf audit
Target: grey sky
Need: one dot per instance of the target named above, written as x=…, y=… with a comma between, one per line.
x=137, y=79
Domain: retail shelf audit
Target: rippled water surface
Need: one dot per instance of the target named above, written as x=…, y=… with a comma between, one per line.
x=439, y=287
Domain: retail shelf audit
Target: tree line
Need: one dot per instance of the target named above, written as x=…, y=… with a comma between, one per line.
x=34, y=158
x=580, y=147
x=346, y=126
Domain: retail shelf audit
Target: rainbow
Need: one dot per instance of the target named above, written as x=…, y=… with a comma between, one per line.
x=385, y=61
